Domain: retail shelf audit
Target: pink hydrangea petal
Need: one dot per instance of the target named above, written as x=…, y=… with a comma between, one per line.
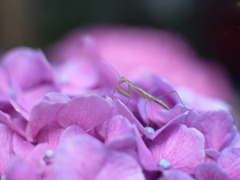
x=71, y=131
x=5, y=88
x=83, y=42
x=124, y=144
x=45, y=113
x=147, y=160
x=212, y=155
x=21, y=170
x=229, y=160
x=68, y=76
x=101, y=130
x=86, y=111
x=172, y=113
x=19, y=108
x=50, y=134
x=110, y=77
x=27, y=67
x=200, y=102
x=236, y=141
x=120, y=166
x=210, y=170
x=15, y=124
x=29, y=98
x=83, y=157
x=21, y=147
x=55, y=97
x=161, y=90
x=183, y=118
x=36, y=157
x=175, y=175
x=118, y=126
x=182, y=147
x=120, y=133
x=86, y=62
x=6, y=152
x=157, y=114
x=83, y=65
x=120, y=108
x=79, y=157
x=220, y=132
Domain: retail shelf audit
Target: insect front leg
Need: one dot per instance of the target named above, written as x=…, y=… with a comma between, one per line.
x=124, y=92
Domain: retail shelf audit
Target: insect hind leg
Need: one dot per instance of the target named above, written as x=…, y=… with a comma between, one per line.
x=171, y=93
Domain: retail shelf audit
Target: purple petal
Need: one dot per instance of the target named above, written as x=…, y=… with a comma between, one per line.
x=79, y=157
x=157, y=114
x=145, y=157
x=45, y=113
x=118, y=126
x=171, y=114
x=86, y=111
x=6, y=152
x=88, y=65
x=37, y=157
x=5, y=85
x=110, y=77
x=121, y=109
x=178, y=147
x=161, y=90
x=50, y=134
x=230, y=162
x=29, y=98
x=217, y=127
x=175, y=175
x=19, y=108
x=21, y=170
x=27, y=67
x=120, y=133
x=210, y=170
x=69, y=72
x=236, y=141
x=202, y=103
x=183, y=118
x=21, y=147
x=120, y=166
x=16, y=124
x=212, y=154
x=71, y=131
x=83, y=157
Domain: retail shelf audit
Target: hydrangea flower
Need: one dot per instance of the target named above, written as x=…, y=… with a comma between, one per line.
x=67, y=120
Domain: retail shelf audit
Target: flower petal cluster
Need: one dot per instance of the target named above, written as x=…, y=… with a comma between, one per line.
x=68, y=121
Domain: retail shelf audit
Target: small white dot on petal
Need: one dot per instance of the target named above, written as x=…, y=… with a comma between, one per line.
x=12, y=93
x=150, y=130
x=49, y=153
x=63, y=79
x=165, y=164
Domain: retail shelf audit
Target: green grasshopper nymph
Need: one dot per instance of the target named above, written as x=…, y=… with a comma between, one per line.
x=132, y=86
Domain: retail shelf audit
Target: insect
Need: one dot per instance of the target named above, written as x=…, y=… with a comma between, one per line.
x=132, y=87
x=146, y=95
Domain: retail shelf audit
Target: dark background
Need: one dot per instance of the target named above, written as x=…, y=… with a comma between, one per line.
x=212, y=27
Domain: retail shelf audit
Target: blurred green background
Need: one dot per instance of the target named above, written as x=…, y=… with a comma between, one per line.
x=212, y=28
